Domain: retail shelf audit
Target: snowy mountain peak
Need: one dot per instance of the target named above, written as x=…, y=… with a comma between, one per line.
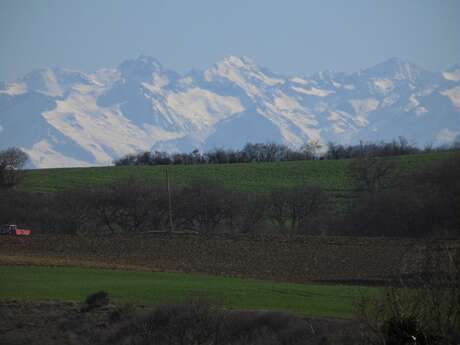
x=238, y=62
x=324, y=75
x=54, y=82
x=43, y=81
x=398, y=69
x=140, y=69
x=243, y=72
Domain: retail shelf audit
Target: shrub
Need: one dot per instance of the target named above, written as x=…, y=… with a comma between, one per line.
x=424, y=312
x=96, y=300
x=406, y=331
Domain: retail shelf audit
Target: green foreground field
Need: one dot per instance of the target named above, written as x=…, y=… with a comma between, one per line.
x=255, y=177
x=74, y=284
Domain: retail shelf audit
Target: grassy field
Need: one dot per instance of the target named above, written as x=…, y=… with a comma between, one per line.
x=257, y=177
x=74, y=284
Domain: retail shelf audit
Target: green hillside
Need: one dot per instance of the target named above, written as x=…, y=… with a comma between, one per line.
x=258, y=177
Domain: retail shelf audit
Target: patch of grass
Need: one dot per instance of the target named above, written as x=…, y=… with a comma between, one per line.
x=74, y=284
x=256, y=177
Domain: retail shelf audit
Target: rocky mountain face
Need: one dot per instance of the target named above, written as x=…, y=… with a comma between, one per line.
x=67, y=118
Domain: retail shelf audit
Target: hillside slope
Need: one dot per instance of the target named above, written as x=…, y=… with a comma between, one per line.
x=254, y=177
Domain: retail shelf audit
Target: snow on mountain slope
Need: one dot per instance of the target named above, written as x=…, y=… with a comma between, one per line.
x=244, y=73
x=454, y=95
x=69, y=118
x=43, y=155
x=96, y=128
x=453, y=73
x=202, y=108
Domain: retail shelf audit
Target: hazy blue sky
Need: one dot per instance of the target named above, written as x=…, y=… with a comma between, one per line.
x=287, y=36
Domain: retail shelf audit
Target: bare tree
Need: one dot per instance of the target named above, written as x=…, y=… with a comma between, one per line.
x=311, y=149
x=243, y=211
x=11, y=161
x=202, y=206
x=296, y=206
x=372, y=174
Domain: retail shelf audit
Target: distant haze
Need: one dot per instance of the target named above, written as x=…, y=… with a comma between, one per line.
x=289, y=37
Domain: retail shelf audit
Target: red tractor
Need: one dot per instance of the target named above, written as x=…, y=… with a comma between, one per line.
x=13, y=230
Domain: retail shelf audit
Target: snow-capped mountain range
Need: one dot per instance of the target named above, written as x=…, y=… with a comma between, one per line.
x=67, y=118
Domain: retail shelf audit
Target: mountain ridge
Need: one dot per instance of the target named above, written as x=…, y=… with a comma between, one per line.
x=63, y=117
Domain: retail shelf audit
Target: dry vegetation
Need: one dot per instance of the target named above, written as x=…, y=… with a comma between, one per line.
x=59, y=323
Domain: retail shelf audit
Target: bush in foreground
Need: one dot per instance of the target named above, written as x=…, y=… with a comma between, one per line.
x=422, y=310
x=199, y=323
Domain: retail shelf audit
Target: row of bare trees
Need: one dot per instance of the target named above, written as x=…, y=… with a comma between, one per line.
x=273, y=152
x=259, y=152
x=134, y=205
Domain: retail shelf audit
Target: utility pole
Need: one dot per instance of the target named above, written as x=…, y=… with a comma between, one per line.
x=171, y=224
